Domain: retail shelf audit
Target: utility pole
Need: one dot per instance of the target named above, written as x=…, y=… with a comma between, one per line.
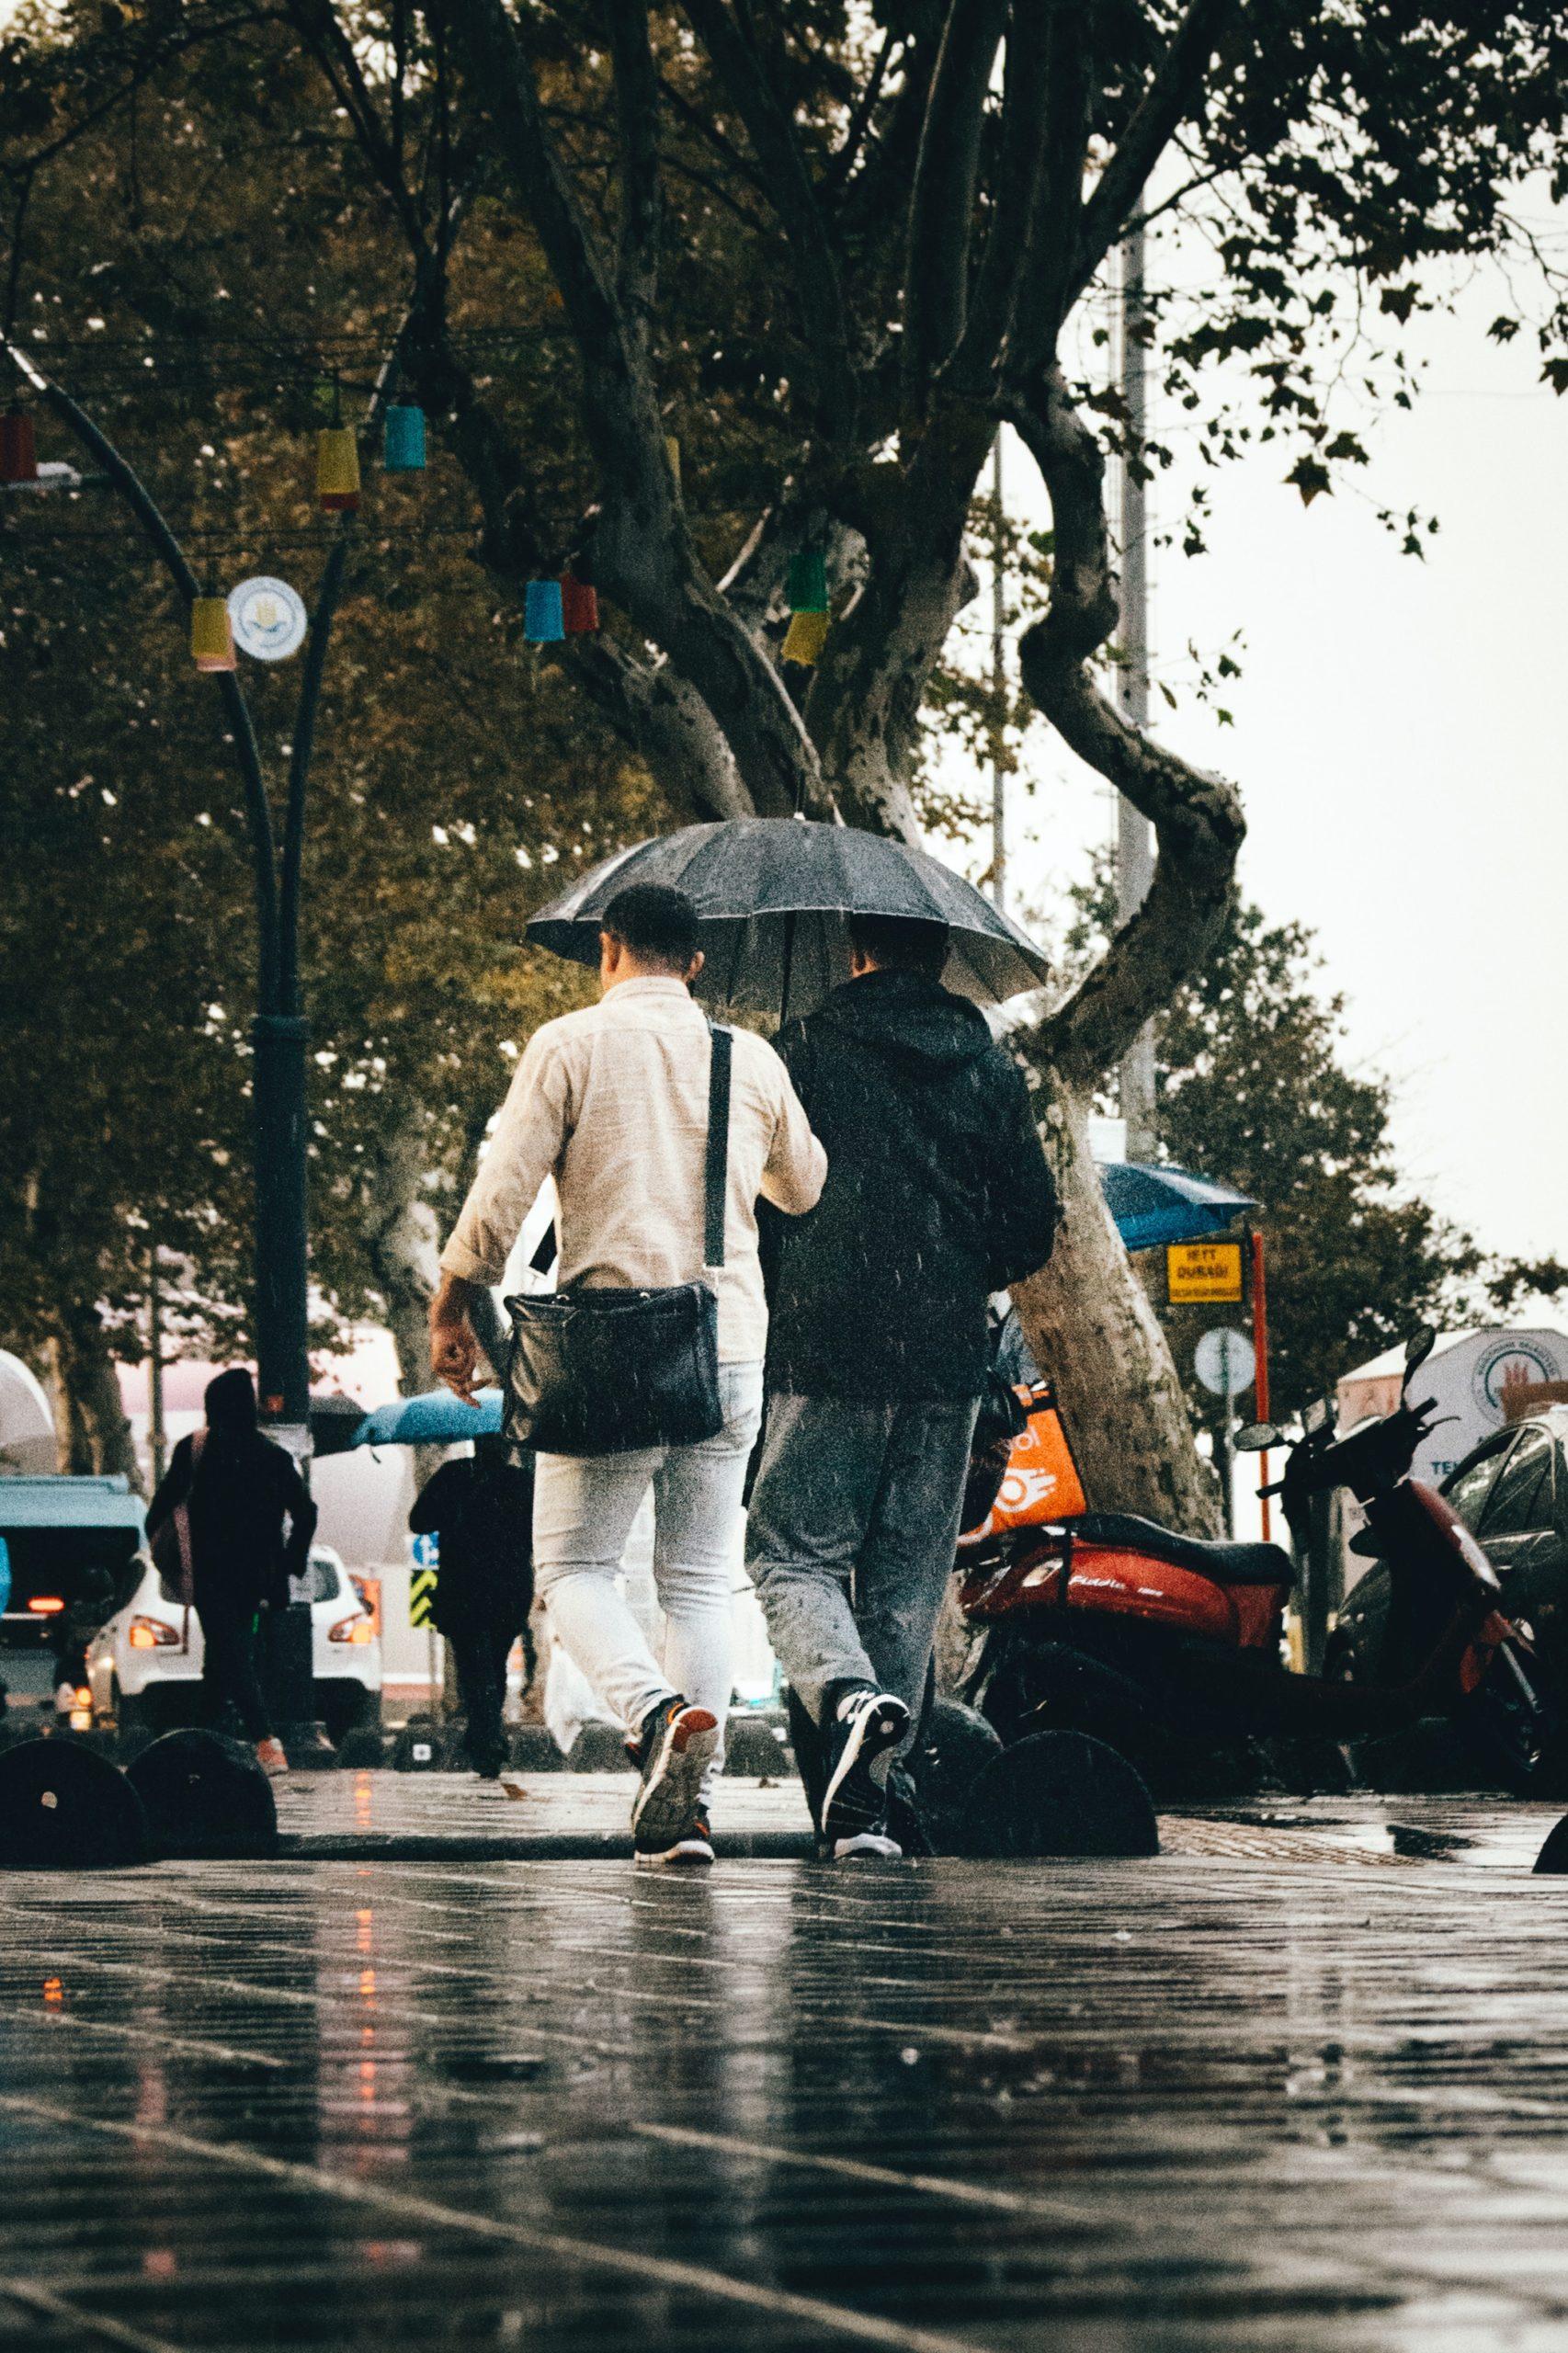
x=998, y=688
x=157, y=1440
x=1135, y=850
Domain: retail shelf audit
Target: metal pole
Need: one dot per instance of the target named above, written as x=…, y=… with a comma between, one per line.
x=998, y=688
x=1135, y=853
x=1225, y=1453
x=157, y=1444
x=1260, y=1352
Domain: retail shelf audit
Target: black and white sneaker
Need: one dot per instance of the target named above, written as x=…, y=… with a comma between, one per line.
x=694, y=1852
x=673, y=1749
x=869, y=1847
x=859, y=1740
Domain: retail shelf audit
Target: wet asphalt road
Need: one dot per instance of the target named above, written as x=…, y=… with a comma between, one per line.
x=1193, y=2103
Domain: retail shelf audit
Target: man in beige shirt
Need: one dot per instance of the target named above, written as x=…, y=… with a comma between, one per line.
x=612, y=1102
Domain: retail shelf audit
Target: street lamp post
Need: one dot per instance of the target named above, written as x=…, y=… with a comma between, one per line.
x=280, y=1031
x=279, y=1036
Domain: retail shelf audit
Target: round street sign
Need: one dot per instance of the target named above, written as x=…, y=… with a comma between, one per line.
x=267, y=618
x=1223, y=1361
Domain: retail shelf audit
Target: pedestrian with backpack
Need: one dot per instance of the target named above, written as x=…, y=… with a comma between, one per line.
x=216, y=1529
x=938, y=1194
x=644, y=1370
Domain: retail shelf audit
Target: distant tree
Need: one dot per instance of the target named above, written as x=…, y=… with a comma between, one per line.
x=1255, y=1089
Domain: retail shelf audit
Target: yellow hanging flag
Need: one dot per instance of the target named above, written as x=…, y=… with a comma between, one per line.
x=212, y=638
x=337, y=469
x=804, y=639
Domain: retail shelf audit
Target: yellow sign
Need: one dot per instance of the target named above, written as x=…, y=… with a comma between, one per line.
x=1204, y=1273
x=421, y=1597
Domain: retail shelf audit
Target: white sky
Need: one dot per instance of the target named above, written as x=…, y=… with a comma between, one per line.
x=1398, y=740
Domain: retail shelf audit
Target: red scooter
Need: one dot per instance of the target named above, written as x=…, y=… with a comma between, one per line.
x=1169, y=1647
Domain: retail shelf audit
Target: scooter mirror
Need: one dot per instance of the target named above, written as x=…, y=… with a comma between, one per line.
x=1258, y=1437
x=1418, y=1348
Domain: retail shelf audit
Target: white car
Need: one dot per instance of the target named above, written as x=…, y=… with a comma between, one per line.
x=140, y=1665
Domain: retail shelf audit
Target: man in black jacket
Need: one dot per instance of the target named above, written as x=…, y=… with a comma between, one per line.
x=937, y=1195
x=480, y=1513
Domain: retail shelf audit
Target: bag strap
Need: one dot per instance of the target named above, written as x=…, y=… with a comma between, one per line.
x=717, y=1180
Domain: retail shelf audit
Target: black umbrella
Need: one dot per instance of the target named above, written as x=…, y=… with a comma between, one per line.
x=334, y=1421
x=772, y=896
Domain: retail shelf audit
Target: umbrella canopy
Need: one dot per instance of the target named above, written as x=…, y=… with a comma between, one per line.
x=1152, y=1206
x=334, y=1420
x=772, y=896
x=435, y=1418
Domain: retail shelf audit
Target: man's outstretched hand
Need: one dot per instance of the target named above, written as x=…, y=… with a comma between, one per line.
x=454, y=1349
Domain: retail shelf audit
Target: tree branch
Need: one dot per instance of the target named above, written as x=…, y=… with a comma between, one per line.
x=644, y=553
x=1176, y=82
x=637, y=120
x=1196, y=817
x=790, y=191
x=941, y=206
x=1025, y=93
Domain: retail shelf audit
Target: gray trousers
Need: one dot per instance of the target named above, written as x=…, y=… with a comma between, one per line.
x=851, y=1537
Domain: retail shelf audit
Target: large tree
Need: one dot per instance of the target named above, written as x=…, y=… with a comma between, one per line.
x=830, y=250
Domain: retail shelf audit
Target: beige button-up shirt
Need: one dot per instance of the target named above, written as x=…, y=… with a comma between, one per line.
x=612, y=1102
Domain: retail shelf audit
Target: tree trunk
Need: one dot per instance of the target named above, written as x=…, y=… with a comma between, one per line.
x=93, y=1436
x=403, y=1240
x=1090, y=1323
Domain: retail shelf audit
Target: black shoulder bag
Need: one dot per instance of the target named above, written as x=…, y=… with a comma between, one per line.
x=607, y=1371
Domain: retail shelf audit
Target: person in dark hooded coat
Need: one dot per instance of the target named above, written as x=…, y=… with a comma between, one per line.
x=938, y=1194
x=480, y=1510
x=240, y=1489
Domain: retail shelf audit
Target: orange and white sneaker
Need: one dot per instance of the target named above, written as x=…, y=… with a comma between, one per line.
x=674, y=1749
x=270, y=1757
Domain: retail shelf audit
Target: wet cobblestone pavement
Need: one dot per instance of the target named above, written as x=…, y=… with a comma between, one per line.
x=1269, y=2097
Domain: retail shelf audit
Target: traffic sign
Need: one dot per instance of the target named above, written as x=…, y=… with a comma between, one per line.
x=1204, y=1273
x=1223, y=1361
x=422, y=1596
x=427, y=1549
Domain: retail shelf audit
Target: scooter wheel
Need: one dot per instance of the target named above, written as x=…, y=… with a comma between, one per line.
x=1059, y=1793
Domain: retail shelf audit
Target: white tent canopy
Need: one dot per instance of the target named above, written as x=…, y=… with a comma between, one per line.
x=26, y=1425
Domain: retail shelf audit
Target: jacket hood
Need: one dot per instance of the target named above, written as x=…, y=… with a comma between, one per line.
x=904, y=1014
x=230, y=1402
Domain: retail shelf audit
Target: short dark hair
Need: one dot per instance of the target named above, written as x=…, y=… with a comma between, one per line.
x=656, y=922
x=905, y=943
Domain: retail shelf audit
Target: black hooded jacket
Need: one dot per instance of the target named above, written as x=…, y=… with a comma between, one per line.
x=937, y=1194
x=243, y=1490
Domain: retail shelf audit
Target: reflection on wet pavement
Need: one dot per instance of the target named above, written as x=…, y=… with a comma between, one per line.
x=1203, y=2102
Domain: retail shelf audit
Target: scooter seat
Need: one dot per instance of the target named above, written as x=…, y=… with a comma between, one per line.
x=1223, y=1564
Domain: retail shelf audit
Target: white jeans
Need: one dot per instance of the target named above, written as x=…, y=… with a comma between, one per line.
x=583, y=1507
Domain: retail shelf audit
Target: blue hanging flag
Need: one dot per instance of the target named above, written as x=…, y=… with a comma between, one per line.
x=404, y=447
x=543, y=619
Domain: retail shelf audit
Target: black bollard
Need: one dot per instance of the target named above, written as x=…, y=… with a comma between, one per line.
x=64, y=1807
x=205, y=1797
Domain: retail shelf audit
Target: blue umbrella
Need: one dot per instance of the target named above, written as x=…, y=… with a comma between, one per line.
x=1156, y=1205
x=436, y=1418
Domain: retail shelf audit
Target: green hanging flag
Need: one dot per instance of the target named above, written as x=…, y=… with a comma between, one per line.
x=807, y=581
